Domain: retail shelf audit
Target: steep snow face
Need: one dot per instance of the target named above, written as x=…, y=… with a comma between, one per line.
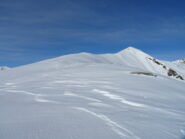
x=137, y=59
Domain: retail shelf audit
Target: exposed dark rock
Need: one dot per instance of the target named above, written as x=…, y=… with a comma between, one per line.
x=155, y=61
x=180, y=77
x=173, y=73
x=170, y=72
x=144, y=73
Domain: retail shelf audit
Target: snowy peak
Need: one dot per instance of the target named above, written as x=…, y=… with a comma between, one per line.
x=133, y=51
x=138, y=59
x=135, y=58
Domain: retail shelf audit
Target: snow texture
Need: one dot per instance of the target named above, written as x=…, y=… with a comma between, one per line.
x=86, y=96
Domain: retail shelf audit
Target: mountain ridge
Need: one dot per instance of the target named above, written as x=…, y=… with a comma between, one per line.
x=130, y=58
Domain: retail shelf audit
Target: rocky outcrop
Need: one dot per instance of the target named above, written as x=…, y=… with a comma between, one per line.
x=170, y=72
x=173, y=73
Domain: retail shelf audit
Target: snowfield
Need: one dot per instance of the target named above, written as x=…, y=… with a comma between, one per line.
x=86, y=96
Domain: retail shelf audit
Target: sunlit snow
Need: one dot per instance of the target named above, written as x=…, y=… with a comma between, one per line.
x=86, y=96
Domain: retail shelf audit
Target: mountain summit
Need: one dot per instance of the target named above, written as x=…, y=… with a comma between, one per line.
x=132, y=50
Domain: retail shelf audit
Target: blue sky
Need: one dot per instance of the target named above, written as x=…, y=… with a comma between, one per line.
x=33, y=30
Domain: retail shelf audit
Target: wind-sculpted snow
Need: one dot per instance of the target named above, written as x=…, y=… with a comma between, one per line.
x=96, y=100
x=116, y=97
x=118, y=129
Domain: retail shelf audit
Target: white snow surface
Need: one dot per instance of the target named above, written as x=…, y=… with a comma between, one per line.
x=4, y=68
x=86, y=96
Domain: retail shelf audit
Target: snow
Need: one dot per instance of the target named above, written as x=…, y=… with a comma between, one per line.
x=86, y=96
x=4, y=68
x=178, y=66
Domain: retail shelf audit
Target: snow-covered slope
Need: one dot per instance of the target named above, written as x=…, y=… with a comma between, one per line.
x=4, y=68
x=130, y=59
x=86, y=96
x=179, y=65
